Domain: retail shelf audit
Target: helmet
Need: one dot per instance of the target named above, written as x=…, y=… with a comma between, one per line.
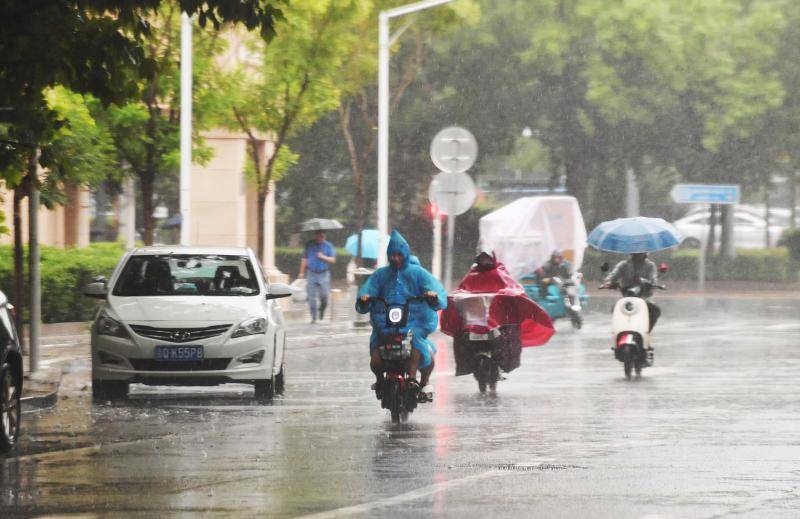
x=486, y=260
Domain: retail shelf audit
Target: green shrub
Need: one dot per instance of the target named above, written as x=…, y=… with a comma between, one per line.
x=64, y=274
x=760, y=265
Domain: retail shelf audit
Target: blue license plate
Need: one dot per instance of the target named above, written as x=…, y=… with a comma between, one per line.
x=173, y=353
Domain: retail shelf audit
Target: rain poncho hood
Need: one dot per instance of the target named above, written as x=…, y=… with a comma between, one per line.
x=398, y=245
x=396, y=286
x=504, y=303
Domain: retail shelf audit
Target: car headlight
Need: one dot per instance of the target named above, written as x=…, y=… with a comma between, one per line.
x=250, y=327
x=105, y=325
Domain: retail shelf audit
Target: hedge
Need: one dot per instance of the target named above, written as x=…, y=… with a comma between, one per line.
x=759, y=265
x=64, y=274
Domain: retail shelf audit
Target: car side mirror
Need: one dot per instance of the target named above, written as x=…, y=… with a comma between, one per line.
x=96, y=290
x=278, y=291
x=663, y=268
x=604, y=267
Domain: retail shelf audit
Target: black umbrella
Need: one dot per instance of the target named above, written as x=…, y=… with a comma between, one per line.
x=320, y=224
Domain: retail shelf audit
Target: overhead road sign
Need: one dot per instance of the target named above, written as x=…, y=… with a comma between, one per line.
x=454, y=150
x=452, y=193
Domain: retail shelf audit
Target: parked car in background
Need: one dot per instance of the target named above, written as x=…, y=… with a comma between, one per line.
x=10, y=377
x=187, y=316
x=749, y=229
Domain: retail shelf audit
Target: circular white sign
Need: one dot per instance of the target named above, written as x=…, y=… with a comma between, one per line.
x=452, y=193
x=454, y=150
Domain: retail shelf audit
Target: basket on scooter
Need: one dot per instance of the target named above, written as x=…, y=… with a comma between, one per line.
x=395, y=347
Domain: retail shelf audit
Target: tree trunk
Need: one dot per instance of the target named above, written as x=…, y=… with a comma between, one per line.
x=19, y=260
x=727, y=247
x=712, y=231
x=261, y=204
x=576, y=177
x=358, y=176
x=793, y=199
x=146, y=181
x=767, y=184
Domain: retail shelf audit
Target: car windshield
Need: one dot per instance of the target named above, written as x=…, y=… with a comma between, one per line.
x=192, y=275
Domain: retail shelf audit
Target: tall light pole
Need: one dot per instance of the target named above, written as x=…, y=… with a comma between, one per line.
x=385, y=41
x=186, y=129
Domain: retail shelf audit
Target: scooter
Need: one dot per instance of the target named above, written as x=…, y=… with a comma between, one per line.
x=571, y=293
x=395, y=393
x=630, y=326
x=564, y=297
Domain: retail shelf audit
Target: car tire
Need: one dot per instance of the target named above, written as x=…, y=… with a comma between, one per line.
x=690, y=243
x=10, y=410
x=264, y=390
x=109, y=390
x=280, y=381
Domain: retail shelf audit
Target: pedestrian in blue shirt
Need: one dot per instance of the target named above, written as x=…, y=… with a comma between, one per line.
x=318, y=257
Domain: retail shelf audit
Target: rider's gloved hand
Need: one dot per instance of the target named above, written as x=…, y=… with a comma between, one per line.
x=364, y=298
x=432, y=298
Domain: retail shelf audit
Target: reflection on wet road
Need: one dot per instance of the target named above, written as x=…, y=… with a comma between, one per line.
x=710, y=431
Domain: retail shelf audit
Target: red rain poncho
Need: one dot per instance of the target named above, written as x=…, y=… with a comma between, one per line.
x=507, y=304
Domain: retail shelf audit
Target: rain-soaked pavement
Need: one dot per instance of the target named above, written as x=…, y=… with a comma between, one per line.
x=712, y=430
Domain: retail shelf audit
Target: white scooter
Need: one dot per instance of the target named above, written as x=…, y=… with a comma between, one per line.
x=631, y=327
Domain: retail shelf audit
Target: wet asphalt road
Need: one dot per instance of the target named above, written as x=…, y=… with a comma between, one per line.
x=712, y=430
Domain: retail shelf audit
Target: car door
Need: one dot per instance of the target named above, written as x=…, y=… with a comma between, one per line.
x=748, y=231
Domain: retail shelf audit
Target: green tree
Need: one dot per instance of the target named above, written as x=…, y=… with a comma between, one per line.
x=147, y=131
x=291, y=87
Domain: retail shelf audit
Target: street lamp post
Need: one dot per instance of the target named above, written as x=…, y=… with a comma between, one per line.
x=186, y=129
x=385, y=41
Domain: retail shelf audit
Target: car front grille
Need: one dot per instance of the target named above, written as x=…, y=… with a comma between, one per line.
x=180, y=365
x=179, y=334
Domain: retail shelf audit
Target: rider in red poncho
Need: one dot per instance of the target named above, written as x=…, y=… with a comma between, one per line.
x=490, y=303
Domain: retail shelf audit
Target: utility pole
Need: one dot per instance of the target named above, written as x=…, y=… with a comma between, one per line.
x=186, y=130
x=385, y=41
x=33, y=263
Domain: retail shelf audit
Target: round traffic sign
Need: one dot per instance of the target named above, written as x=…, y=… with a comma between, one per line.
x=452, y=193
x=454, y=150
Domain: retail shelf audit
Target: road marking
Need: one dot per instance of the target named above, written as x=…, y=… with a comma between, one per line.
x=408, y=496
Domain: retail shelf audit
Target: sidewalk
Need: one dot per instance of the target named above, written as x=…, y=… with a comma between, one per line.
x=62, y=344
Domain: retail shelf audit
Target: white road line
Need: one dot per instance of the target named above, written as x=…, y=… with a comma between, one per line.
x=403, y=498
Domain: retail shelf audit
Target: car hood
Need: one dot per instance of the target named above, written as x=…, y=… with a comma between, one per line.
x=189, y=308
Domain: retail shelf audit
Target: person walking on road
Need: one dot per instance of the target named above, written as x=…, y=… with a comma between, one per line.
x=318, y=257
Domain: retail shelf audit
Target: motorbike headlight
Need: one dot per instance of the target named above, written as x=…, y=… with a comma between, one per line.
x=105, y=325
x=250, y=327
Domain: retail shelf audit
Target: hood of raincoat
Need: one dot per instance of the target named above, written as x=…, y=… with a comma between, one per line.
x=398, y=244
x=488, y=299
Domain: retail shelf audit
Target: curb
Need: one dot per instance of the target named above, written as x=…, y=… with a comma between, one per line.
x=44, y=400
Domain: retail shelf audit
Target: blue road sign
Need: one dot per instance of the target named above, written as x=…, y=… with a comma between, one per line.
x=706, y=194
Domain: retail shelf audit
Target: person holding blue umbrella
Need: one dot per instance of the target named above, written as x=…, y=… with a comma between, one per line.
x=632, y=272
x=635, y=236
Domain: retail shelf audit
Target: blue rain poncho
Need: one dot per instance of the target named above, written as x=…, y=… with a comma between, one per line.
x=396, y=286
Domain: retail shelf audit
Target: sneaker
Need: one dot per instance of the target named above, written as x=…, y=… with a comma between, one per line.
x=378, y=388
x=425, y=394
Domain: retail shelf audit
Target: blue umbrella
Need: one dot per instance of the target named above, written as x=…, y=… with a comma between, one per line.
x=370, y=242
x=639, y=234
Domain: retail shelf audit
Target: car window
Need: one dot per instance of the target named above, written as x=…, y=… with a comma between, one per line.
x=743, y=221
x=201, y=275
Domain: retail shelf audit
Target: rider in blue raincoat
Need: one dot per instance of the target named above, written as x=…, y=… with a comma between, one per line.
x=400, y=280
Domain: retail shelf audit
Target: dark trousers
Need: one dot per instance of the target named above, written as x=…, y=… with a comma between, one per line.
x=655, y=313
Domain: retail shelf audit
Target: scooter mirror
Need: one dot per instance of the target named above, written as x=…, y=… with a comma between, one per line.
x=663, y=268
x=604, y=267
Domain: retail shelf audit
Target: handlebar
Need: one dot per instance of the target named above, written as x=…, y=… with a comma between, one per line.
x=430, y=300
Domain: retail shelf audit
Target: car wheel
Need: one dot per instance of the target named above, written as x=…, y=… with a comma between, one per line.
x=280, y=381
x=690, y=243
x=109, y=390
x=264, y=390
x=9, y=407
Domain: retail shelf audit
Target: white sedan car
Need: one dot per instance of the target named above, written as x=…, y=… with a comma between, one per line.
x=748, y=229
x=187, y=316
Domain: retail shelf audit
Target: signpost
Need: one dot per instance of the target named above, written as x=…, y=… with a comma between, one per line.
x=453, y=151
x=720, y=194
x=706, y=194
